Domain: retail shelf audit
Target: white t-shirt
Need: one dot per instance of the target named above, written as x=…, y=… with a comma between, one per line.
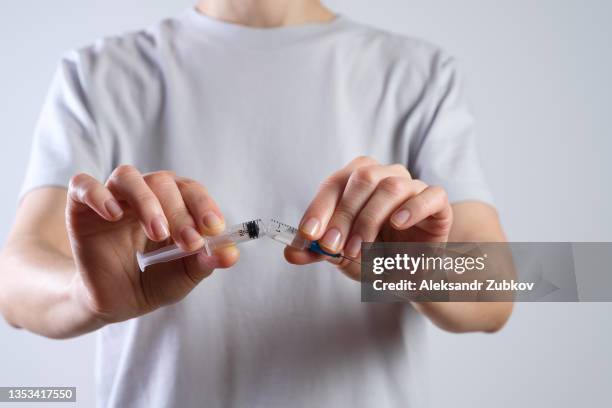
x=260, y=117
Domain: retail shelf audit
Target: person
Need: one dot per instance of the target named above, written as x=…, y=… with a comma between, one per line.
x=231, y=111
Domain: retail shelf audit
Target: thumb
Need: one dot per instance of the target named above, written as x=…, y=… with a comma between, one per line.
x=170, y=282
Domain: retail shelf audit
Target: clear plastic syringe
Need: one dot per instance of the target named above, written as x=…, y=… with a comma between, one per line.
x=290, y=236
x=246, y=231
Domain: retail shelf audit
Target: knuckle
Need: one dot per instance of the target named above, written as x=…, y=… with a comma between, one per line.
x=165, y=173
x=192, y=185
x=78, y=180
x=400, y=168
x=124, y=170
x=170, y=173
x=366, y=221
x=343, y=215
x=159, y=178
x=330, y=182
x=199, y=202
x=147, y=201
x=394, y=185
x=440, y=193
x=178, y=217
x=421, y=204
x=80, y=187
x=121, y=173
x=364, y=176
x=364, y=161
x=184, y=181
x=419, y=185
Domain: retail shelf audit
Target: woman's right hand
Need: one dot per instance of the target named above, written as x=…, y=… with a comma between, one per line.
x=107, y=224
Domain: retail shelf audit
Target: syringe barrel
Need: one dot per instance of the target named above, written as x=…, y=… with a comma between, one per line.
x=165, y=254
x=286, y=234
x=236, y=234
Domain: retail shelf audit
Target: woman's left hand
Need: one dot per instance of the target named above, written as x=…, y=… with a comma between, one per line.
x=366, y=202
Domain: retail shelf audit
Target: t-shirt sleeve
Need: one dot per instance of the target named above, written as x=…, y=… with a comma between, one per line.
x=445, y=154
x=66, y=141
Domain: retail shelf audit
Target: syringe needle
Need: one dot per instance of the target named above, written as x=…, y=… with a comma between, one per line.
x=350, y=259
x=315, y=247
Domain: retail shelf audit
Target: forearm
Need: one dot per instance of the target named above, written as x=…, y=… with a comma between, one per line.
x=462, y=317
x=473, y=222
x=38, y=292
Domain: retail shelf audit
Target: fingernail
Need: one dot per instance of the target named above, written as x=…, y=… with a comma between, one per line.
x=190, y=236
x=401, y=217
x=212, y=220
x=331, y=239
x=160, y=228
x=353, y=247
x=113, y=208
x=311, y=226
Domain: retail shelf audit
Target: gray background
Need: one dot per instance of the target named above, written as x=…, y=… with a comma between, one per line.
x=539, y=80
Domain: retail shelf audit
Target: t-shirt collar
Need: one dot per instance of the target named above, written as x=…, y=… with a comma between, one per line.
x=255, y=37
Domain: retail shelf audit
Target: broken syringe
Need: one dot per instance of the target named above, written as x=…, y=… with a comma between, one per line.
x=243, y=232
x=288, y=235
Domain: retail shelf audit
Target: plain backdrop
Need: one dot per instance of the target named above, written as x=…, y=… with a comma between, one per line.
x=539, y=78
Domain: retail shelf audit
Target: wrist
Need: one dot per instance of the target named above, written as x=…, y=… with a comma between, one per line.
x=86, y=317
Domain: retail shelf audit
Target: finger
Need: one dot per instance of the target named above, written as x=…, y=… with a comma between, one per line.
x=201, y=206
x=389, y=195
x=431, y=202
x=126, y=183
x=360, y=186
x=86, y=190
x=163, y=288
x=302, y=257
x=182, y=226
x=201, y=265
x=321, y=208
